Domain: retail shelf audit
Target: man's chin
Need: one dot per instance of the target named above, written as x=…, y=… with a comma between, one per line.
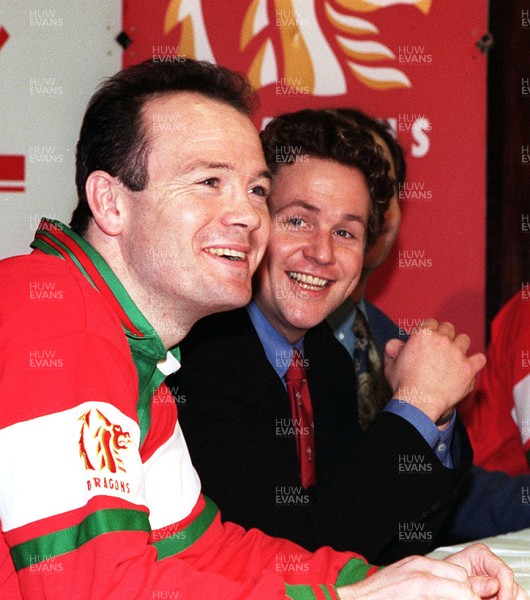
x=234, y=301
x=306, y=322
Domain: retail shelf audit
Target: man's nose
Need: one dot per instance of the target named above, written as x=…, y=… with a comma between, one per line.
x=320, y=247
x=241, y=211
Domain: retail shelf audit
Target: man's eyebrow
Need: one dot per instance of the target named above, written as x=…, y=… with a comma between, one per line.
x=352, y=217
x=300, y=204
x=312, y=208
x=265, y=174
x=205, y=164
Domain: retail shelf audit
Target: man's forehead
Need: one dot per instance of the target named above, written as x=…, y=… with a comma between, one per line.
x=186, y=104
x=199, y=164
x=196, y=120
x=318, y=193
x=323, y=208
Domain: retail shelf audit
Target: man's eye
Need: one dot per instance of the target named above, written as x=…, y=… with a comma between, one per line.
x=296, y=221
x=260, y=190
x=211, y=181
x=343, y=233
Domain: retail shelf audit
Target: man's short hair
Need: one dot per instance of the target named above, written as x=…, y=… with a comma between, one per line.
x=326, y=134
x=114, y=138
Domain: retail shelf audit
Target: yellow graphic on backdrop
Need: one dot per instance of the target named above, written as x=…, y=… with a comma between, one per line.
x=371, y=5
x=305, y=60
x=194, y=41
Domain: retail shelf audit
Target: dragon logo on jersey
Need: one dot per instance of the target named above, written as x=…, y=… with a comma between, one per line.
x=101, y=442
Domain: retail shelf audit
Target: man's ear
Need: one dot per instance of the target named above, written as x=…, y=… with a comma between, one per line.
x=105, y=198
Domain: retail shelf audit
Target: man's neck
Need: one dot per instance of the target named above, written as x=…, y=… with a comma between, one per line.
x=360, y=289
x=277, y=348
x=291, y=334
x=170, y=320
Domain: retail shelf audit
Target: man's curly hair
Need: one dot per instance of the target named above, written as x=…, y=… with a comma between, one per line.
x=326, y=134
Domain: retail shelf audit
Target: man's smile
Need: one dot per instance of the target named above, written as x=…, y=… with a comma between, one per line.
x=228, y=253
x=308, y=282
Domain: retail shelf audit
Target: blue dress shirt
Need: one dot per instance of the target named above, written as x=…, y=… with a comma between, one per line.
x=278, y=350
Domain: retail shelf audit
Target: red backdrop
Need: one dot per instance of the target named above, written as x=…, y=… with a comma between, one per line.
x=414, y=62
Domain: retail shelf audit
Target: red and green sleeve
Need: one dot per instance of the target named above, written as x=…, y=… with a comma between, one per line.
x=89, y=507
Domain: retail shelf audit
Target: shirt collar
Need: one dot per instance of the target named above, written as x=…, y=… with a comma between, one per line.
x=341, y=320
x=53, y=237
x=153, y=362
x=278, y=350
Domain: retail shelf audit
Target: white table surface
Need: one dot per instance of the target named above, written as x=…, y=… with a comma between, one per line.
x=513, y=548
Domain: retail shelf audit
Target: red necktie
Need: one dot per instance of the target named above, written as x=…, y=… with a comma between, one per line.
x=302, y=413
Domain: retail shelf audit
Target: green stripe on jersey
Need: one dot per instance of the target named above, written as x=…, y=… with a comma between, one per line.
x=183, y=539
x=327, y=593
x=42, y=245
x=299, y=592
x=69, y=539
x=309, y=592
x=353, y=571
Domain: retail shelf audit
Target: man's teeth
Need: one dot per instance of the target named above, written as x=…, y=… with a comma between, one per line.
x=308, y=282
x=227, y=252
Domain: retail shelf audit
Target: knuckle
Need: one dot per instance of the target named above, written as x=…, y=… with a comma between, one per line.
x=480, y=547
x=464, y=338
x=425, y=583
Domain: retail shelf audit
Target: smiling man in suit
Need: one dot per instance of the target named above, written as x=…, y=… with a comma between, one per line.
x=299, y=466
x=489, y=503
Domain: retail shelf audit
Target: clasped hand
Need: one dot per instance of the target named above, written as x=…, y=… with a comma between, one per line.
x=431, y=370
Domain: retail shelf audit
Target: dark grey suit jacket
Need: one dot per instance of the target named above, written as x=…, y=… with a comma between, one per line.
x=488, y=503
x=235, y=414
